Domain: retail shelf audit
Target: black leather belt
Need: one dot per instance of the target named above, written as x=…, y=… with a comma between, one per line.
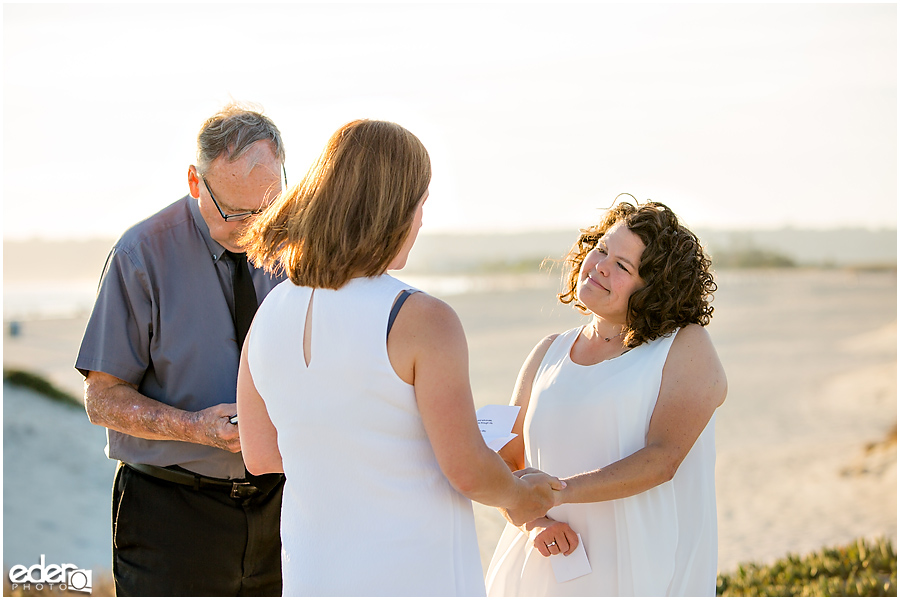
x=240, y=489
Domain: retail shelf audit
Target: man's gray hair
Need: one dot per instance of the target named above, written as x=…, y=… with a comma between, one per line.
x=232, y=130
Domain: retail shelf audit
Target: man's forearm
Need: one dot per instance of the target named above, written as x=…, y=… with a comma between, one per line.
x=118, y=406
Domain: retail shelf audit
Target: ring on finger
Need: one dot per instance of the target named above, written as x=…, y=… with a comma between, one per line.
x=551, y=544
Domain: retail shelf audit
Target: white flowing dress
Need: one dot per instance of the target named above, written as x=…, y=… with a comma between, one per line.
x=366, y=509
x=662, y=542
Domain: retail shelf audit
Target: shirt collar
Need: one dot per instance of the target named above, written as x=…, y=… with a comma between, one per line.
x=216, y=250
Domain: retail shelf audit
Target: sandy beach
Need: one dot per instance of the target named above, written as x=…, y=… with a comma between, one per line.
x=811, y=358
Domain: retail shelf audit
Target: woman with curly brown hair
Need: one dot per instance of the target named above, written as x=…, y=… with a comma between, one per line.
x=622, y=409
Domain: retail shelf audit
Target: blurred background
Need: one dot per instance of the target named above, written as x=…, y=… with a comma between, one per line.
x=771, y=130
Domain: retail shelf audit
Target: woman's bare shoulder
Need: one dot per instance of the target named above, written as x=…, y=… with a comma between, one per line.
x=544, y=345
x=426, y=321
x=537, y=355
x=694, y=336
x=693, y=358
x=425, y=307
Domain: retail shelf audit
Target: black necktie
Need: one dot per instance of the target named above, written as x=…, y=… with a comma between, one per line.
x=245, y=303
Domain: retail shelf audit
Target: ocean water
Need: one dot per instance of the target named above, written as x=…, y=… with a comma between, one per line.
x=34, y=300
x=25, y=301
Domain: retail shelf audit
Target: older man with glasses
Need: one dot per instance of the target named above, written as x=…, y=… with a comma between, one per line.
x=160, y=358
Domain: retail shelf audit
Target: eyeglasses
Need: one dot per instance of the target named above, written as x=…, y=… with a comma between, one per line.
x=241, y=216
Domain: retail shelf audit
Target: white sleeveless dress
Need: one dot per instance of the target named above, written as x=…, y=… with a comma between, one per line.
x=662, y=542
x=366, y=510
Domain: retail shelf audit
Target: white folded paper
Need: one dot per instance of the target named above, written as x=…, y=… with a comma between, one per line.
x=566, y=568
x=496, y=422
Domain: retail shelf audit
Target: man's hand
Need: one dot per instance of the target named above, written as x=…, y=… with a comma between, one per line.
x=214, y=427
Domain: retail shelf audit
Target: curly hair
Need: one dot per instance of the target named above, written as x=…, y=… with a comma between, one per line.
x=676, y=271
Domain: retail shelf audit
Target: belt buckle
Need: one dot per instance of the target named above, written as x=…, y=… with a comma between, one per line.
x=241, y=490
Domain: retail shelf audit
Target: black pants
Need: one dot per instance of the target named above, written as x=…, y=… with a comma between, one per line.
x=170, y=540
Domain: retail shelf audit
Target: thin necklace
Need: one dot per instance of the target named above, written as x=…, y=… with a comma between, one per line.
x=612, y=337
x=606, y=339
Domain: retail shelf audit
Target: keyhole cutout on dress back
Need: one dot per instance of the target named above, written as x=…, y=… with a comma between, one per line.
x=307, y=331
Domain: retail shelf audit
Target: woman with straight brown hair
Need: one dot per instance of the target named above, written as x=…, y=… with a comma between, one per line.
x=367, y=408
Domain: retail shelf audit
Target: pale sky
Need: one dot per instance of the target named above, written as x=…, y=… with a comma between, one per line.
x=535, y=115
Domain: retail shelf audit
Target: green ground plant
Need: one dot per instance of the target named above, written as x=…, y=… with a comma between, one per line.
x=862, y=568
x=40, y=385
x=751, y=258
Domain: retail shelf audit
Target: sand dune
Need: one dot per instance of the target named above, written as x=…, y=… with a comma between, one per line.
x=56, y=484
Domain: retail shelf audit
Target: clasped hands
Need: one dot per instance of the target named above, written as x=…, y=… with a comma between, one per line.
x=550, y=536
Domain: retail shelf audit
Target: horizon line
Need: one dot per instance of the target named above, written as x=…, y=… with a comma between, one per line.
x=511, y=232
